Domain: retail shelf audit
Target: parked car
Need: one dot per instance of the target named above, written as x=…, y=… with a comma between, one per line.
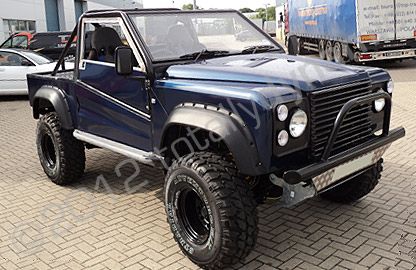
x=49, y=44
x=231, y=122
x=15, y=64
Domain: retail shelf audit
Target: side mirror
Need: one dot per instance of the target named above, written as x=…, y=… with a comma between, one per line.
x=124, y=60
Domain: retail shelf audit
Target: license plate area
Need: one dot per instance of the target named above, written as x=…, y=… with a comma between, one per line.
x=357, y=164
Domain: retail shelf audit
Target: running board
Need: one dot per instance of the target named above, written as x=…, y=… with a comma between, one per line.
x=147, y=158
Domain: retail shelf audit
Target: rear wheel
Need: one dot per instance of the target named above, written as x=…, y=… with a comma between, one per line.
x=211, y=210
x=322, y=53
x=356, y=188
x=61, y=155
x=338, y=57
x=293, y=46
x=329, y=51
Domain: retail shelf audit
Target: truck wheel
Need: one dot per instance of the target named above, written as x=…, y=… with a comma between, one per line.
x=329, y=51
x=293, y=45
x=211, y=210
x=357, y=187
x=338, y=57
x=62, y=156
x=322, y=52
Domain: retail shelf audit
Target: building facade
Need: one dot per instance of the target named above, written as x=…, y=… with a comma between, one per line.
x=50, y=15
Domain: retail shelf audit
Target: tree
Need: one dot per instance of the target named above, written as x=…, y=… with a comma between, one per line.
x=189, y=7
x=246, y=10
x=271, y=13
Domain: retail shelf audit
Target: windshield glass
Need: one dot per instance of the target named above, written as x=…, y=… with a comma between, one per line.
x=180, y=35
x=37, y=58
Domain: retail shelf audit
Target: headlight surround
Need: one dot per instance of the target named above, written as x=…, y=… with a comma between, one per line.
x=283, y=138
x=298, y=123
x=282, y=112
x=390, y=87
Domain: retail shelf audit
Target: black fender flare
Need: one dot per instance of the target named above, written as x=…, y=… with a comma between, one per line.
x=59, y=101
x=228, y=126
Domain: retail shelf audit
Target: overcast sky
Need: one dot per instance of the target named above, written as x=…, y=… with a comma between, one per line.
x=234, y=4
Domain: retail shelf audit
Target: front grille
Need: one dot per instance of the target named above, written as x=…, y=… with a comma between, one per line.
x=325, y=106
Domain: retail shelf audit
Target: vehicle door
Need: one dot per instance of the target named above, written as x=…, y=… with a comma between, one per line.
x=112, y=106
x=13, y=70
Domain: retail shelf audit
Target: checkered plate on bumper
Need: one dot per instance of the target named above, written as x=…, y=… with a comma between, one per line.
x=335, y=174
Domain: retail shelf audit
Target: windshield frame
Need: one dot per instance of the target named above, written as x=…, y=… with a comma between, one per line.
x=133, y=13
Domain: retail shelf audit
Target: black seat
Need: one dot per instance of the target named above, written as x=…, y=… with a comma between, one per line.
x=181, y=41
x=104, y=42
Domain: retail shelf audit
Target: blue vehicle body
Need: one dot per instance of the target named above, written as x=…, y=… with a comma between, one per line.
x=234, y=97
x=330, y=20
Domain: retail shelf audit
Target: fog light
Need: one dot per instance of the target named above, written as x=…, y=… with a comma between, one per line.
x=379, y=104
x=283, y=138
x=282, y=112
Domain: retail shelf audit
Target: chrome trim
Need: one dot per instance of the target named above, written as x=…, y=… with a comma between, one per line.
x=86, y=61
x=128, y=151
x=115, y=100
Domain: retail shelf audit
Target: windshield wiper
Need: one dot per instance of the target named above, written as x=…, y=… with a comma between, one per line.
x=260, y=49
x=206, y=53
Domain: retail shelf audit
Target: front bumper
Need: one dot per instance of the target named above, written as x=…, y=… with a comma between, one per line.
x=319, y=169
x=386, y=55
x=309, y=181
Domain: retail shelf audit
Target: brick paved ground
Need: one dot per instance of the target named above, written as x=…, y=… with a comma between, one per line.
x=43, y=226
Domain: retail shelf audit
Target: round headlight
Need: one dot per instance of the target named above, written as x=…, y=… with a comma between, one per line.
x=379, y=104
x=298, y=123
x=390, y=87
x=282, y=112
x=283, y=138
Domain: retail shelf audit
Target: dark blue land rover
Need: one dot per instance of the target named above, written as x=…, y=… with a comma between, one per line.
x=232, y=121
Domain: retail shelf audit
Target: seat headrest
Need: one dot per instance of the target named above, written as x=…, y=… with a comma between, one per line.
x=105, y=40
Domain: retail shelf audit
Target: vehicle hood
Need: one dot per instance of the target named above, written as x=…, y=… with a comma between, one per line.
x=306, y=74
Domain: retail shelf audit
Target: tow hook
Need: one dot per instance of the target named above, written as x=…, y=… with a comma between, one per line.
x=293, y=194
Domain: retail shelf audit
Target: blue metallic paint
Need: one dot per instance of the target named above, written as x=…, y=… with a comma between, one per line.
x=246, y=85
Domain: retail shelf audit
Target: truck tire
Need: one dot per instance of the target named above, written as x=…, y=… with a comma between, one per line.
x=357, y=187
x=293, y=45
x=322, y=52
x=329, y=51
x=211, y=210
x=61, y=155
x=338, y=57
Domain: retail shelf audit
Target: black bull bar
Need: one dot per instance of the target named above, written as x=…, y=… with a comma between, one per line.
x=327, y=162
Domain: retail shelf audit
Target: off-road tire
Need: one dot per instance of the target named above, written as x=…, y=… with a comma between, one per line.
x=61, y=155
x=232, y=232
x=357, y=187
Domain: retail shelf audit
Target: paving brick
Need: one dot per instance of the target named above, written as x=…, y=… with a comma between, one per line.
x=45, y=226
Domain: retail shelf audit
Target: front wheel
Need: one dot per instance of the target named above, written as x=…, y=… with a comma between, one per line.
x=61, y=155
x=356, y=188
x=211, y=210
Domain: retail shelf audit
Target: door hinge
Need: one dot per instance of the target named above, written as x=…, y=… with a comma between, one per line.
x=148, y=85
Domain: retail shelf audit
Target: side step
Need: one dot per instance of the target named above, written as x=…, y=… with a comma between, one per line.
x=147, y=158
